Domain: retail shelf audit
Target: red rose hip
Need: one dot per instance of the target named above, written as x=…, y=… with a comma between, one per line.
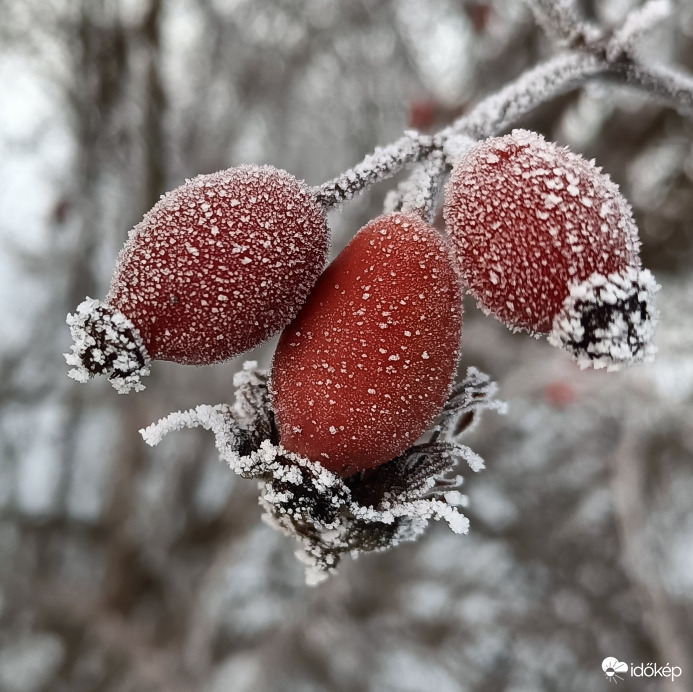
x=368, y=362
x=216, y=267
x=546, y=243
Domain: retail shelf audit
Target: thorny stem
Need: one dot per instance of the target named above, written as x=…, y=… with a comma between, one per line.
x=499, y=111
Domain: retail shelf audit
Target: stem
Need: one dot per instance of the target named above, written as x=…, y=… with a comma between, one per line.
x=531, y=89
x=418, y=193
x=667, y=84
x=493, y=114
x=382, y=164
x=501, y=110
x=560, y=19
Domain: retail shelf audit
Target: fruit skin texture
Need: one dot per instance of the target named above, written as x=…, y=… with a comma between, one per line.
x=368, y=362
x=528, y=220
x=220, y=264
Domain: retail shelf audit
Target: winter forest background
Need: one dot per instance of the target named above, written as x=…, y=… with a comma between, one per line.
x=126, y=568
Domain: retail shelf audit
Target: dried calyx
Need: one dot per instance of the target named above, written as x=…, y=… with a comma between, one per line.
x=608, y=321
x=369, y=511
x=106, y=342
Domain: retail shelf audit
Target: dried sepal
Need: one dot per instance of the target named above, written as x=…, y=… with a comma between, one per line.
x=106, y=342
x=609, y=321
x=370, y=511
x=238, y=428
x=466, y=401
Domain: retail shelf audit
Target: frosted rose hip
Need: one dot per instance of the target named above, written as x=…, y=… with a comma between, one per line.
x=221, y=263
x=546, y=243
x=216, y=267
x=368, y=362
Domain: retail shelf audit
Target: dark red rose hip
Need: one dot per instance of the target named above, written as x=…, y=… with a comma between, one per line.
x=546, y=243
x=216, y=267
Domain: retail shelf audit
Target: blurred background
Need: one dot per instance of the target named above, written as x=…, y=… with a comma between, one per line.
x=130, y=569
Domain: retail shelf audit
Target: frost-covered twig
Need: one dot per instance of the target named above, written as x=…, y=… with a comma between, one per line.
x=492, y=115
x=640, y=22
x=419, y=192
x=382, y=164
x=670, y=85
x=534, y=87
x=667, y=83
x=593, y=56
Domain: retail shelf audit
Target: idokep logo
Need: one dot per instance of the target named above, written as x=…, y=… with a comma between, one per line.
x=616, y=670
x=613, y=668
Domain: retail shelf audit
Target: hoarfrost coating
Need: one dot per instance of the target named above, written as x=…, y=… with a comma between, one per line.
x=106, y=342
x=607, y=322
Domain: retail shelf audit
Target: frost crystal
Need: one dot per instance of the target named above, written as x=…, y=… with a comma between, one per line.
x=369, y=511
x=608, y=322
x=106, y=342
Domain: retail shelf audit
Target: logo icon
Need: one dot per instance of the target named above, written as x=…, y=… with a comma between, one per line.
x=612, y=667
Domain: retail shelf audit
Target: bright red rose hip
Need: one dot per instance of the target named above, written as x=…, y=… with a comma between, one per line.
x=368, y=362
x=216, y=267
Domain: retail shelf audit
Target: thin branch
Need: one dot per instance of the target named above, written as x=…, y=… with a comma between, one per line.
x=534, y=87
x=418, y=193
x=640, y=22
x=382, y=164
x=501, y=110
x=531, y=89
x=669, y=85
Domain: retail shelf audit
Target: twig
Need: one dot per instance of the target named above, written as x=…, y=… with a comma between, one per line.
x=382, y=164
x=534, y=87
x=593, y=56
x=495, y=113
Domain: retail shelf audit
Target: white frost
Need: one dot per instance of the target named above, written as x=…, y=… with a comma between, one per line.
x=106, y=342
x=608, y=322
